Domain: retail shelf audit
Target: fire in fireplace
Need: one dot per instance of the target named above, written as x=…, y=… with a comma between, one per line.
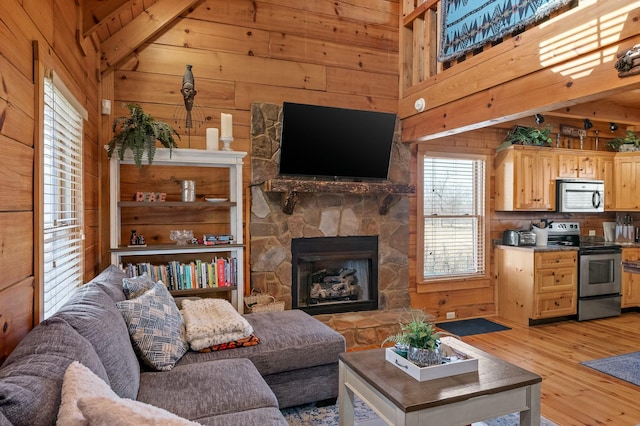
x=334, y=274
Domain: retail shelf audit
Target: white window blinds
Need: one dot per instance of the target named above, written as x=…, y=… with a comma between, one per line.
x=453, y=217
x=62, y=198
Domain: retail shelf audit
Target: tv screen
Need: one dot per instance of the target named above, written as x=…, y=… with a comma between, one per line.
x=329, y=142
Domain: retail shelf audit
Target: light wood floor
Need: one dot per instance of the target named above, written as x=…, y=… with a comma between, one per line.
x=573, y=394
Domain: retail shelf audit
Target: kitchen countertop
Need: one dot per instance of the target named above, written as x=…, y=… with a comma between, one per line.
x=558, y=248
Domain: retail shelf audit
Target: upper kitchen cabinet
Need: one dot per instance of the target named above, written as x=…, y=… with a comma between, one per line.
x=626, y=175
x=525, y=179
x=573, y=165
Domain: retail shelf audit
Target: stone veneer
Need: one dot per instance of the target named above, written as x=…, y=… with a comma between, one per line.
x=322, y=215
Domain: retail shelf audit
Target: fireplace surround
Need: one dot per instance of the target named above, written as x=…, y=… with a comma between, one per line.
x=322, y=214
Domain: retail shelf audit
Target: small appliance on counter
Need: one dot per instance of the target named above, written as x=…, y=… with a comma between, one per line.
x=521, y=237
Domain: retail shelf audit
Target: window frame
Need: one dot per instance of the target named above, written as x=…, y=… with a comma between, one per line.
x=39, y=184
x=451, y=282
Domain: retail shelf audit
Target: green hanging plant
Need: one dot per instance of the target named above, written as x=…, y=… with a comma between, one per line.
x=521, y=135
x=139, y=133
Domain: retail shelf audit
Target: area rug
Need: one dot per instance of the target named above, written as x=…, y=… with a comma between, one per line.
x=471, y=326
x=467, y=25
x=310, y=415
x=625, y=367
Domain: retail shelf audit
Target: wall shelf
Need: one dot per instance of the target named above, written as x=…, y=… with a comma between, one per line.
x=387, y=192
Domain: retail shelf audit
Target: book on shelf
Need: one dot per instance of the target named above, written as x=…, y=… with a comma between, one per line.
x=216, y=239
x=197, y=274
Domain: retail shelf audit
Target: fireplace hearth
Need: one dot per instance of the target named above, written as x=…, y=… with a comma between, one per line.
x=335, y=274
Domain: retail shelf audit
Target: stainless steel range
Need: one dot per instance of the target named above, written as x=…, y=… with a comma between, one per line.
x=599, y=271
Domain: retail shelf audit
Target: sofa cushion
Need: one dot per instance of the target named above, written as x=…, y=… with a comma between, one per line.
x=294, y=338
x=221, y=387
x=31, y=377
x=110, y=280
x=136, y=286
x=95, y=316
x=87, y=399
x=156, y=327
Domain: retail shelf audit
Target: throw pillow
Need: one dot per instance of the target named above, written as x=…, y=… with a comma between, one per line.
x=88, y=400
x=80, y=382
x=156, y=327
x=125, y=412
x=137, y=286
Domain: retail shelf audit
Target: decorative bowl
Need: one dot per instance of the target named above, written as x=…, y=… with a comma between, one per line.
x=181, y=237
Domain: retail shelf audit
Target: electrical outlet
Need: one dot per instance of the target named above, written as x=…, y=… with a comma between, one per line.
x=451, y=315
x=592, y=232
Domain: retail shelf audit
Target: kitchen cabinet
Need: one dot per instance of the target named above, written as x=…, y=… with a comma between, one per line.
x=535, y=285
x=630, y=281
x=572, y=165
x=626, y=175
x=212, y=170
x=525, y=179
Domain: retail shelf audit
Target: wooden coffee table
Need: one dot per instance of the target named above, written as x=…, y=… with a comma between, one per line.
x=496, y=389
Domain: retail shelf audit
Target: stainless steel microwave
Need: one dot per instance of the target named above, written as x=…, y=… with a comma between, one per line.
x=585, y=196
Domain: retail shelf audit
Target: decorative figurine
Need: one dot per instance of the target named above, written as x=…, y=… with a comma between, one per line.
x=188, y=92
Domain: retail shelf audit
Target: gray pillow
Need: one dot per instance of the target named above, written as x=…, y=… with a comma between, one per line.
x=110, y=281
x=156, y=327
x=31, y=377
x=95, y=316
x=137, y=286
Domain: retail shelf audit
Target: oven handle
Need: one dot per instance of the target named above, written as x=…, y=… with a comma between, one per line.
x=588, y=251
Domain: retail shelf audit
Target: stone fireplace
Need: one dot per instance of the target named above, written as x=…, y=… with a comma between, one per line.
x=334, y=274
x=323, y=215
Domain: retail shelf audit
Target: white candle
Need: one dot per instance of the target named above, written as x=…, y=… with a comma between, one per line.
x=212, y=139
x=226, y=126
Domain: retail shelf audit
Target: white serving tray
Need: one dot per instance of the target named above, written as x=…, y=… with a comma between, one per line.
x=432, y=372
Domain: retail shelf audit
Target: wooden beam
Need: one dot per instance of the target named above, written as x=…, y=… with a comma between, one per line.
x=607, y=110
x=95, y=12
x=421, y=9
x=140, y=29
x=545, y=90
x=574, y=34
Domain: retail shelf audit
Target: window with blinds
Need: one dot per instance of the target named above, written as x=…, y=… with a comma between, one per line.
x=453, y=216
x=62, y=198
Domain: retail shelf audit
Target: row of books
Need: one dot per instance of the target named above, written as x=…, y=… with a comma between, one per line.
x=220, y=272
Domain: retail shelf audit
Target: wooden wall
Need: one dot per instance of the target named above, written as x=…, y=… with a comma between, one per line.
x=52, y=24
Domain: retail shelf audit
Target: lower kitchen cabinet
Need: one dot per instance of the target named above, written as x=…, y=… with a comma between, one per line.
x=534, y=285
x=630, y=281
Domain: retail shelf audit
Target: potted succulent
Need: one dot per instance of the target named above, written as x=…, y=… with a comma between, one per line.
x=420, y=339
x=630, y=142
x=139, y=133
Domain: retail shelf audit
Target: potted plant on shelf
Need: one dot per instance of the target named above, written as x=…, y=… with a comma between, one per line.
x=630, y=142
x=420, y=339
x=139, y=133
x=521, y=135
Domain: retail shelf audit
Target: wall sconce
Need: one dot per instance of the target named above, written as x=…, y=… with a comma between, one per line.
x=587, y=124
x=613, y=127
x=539, y=118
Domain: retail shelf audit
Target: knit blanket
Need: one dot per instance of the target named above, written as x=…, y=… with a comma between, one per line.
x=211, y=322
x=467, y=25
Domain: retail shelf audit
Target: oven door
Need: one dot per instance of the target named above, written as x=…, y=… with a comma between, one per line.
x=600, y=273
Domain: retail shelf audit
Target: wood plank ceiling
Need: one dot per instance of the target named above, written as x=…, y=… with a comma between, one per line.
x=121, y=26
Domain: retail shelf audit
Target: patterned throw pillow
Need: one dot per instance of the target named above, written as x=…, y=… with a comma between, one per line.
x=156, y=327
x=137, y=286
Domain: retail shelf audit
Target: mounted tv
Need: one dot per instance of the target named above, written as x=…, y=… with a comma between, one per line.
x=335, y=143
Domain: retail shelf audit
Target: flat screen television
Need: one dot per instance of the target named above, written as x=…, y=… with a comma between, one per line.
x=335, y=143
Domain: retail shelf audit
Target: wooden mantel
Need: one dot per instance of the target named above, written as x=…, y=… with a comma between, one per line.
x=386, y=191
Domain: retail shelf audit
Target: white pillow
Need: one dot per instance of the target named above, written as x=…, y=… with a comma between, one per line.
x=80, y=381
x=88, y=400
x=100, y=411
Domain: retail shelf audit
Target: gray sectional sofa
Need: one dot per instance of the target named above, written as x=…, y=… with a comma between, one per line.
x=296, y=362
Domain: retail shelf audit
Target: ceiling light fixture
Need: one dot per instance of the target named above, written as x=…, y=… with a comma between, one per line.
x=587, y=124
x=613, y=127
x=539, y=118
